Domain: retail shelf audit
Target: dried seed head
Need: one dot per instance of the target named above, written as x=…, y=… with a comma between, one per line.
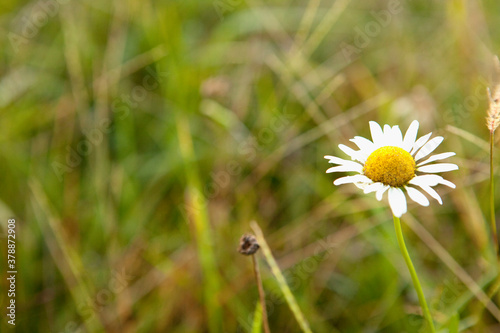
x=248, y=245
x=493, y=119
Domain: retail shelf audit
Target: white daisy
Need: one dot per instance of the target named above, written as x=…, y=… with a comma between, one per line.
x=394, y=164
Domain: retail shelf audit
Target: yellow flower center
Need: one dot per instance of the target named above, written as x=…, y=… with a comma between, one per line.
x=391, y=166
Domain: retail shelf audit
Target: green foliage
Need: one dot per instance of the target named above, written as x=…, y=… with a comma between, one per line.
x=140, y=138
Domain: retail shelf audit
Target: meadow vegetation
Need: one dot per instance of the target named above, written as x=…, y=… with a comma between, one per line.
x=140, y=138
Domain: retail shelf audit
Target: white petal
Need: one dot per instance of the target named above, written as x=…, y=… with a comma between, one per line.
x=439, y=167
x=381, y=192
x=387, y=132
x=397, y=137
x=432, y=193
x=352, y=179
x=420, y=142
x=429, y=147
x=388, y=137
x=397, y=201
x=361, y=186
x=447, y=183
x=352, y=166
x=373, y=187
x=428, y=180
x=377, y=134
x=364, y=144
x=417, y=196
x=336, y=160
x=410, y=136
x=348, y=150
x=355, y=155
x=436, y=157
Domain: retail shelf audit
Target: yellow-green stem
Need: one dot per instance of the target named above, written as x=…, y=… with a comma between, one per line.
x=285, y=289
x=492, y=196
x=262, y=296
x=413, y=273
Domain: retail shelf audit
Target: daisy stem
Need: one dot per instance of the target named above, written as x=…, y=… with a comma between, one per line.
x=492, y=196
x=413, y=273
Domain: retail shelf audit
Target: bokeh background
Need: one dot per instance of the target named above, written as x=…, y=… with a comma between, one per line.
x=140, y=138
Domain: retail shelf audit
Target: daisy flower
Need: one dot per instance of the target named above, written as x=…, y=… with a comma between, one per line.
x=393, y=164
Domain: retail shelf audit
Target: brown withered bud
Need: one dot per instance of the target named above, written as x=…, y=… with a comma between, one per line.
x=248, y=245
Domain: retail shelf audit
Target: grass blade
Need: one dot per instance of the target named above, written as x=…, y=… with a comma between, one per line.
x=257, y=319
x=198, y=215
x=292, y=303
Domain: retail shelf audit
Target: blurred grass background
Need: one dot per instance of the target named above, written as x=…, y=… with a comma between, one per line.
x=140, y=138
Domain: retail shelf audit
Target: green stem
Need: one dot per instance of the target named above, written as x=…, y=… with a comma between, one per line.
x=262, y=296
x=285, y=289
x=413, y=273
x=492, y=196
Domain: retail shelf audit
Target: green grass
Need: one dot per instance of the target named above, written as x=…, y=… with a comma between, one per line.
x=201, y=116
